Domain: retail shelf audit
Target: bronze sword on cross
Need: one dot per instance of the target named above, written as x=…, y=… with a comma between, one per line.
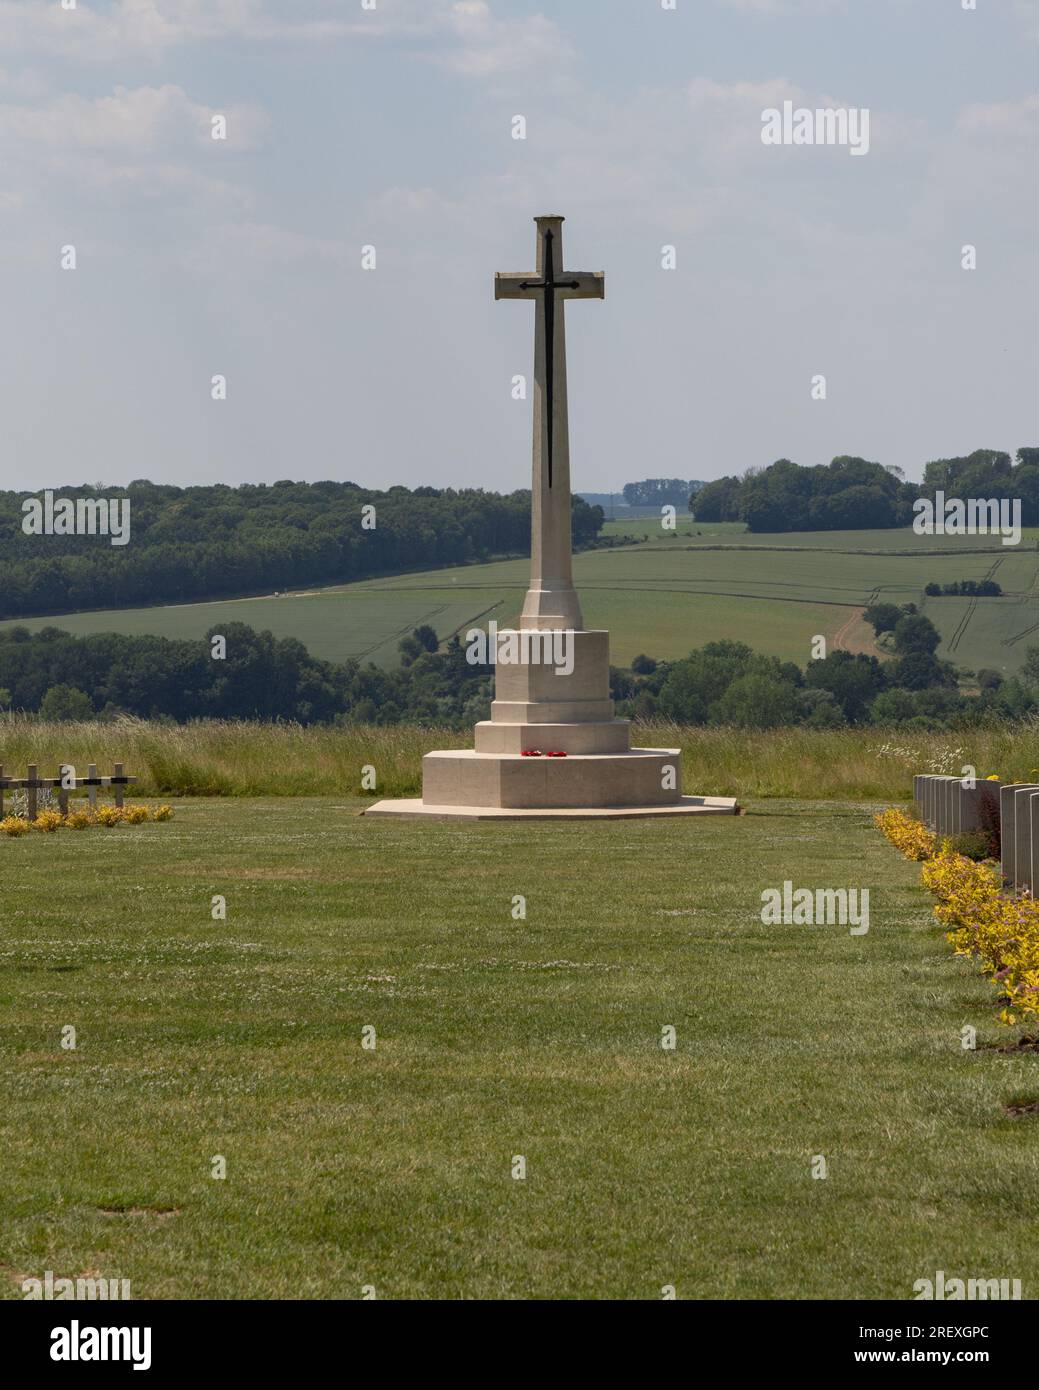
x=576, y=285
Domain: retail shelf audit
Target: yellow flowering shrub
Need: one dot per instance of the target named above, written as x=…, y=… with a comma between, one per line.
x=1018, y=975
x=969, y=900
x=108, y=816
x=1002, y=931
x=910, y=836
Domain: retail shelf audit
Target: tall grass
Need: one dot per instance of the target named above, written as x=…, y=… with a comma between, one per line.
x=228, y=758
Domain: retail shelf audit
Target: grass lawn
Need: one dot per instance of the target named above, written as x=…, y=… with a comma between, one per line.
x=496, y=1038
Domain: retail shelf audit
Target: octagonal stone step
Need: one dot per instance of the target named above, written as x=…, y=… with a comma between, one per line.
x=638, y=777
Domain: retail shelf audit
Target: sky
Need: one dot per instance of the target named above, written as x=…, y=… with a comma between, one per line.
x=393, y=127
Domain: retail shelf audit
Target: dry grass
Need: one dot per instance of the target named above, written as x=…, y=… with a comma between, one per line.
x=226, y=758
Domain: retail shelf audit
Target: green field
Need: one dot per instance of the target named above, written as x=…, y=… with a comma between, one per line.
x=495, y=1038
x=664, y=596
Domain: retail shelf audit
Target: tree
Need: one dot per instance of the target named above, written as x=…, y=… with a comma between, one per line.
x=893, y=707
x=852, y=680
x=853, y=508
x=66, y=702
x=698, y=682
x=915, y=633
x=718, y=501
x=758, y=701
x=883, y=617
x=820, y=710
x=918, y=671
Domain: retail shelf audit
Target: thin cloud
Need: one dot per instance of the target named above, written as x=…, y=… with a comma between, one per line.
x=466, y=35
x=131, y=119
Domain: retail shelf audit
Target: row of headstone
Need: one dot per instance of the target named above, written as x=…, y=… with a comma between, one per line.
x=948, y=807
x=1019, y=834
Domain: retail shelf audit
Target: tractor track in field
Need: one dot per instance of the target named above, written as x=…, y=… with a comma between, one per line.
x=841, y=637
x=1025, y=632
x=963, y=624
x=965, y=620
x=869, y=648
x=401, y=631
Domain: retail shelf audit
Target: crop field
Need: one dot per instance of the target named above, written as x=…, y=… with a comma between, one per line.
x=334, y=623
x=664, y=594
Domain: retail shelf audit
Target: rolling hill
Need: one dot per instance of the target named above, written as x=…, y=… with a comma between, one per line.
x=663, y=594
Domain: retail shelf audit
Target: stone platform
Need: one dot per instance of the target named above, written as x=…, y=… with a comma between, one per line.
x=636, y=777
x=417, y=809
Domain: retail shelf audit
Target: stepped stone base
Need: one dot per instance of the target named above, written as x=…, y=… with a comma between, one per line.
x=540, y=705
x=417, y=809
x=638, y=777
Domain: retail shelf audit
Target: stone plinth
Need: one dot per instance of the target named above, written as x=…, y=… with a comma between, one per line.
x=417, y=809
x=567, y=713
x=638, y=777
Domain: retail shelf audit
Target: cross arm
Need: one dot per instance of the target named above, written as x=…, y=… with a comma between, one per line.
x=583, y=284
x=509, y=285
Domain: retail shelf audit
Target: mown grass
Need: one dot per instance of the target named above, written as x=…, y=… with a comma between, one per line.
x=216, y=758
x=496, y=1037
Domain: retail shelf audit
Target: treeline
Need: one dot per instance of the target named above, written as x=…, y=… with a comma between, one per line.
x=723, y=683
x=206, y=542
x=854, y=494
x=260, y=677
x=659, y=492
x=727, y=684
x=965, y=588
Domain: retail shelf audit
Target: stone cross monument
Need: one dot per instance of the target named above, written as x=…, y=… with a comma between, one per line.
x=552, y=748
x=551, y=599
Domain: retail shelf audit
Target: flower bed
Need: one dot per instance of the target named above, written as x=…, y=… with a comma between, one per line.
x=108, y=816
x=1001, y=931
